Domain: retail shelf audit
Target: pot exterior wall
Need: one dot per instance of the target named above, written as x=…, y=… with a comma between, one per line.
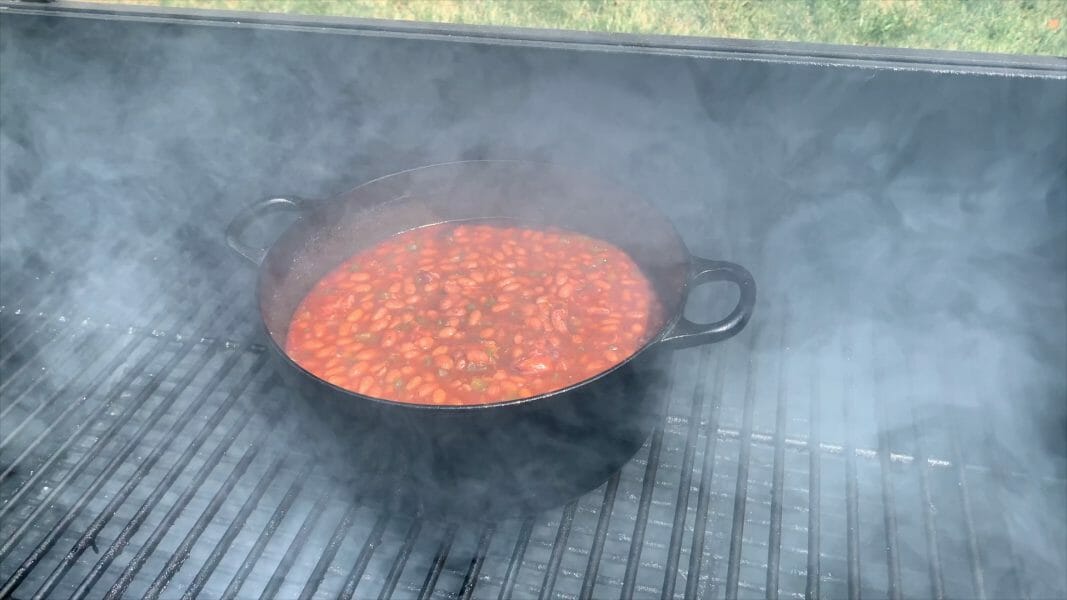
x=484, y=460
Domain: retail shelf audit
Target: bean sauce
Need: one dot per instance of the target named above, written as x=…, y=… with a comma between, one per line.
x=474, y=314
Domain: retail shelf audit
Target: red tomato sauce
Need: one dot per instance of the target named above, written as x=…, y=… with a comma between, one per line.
x=474, y=314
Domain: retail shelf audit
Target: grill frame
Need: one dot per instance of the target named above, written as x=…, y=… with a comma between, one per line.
x=735, y=49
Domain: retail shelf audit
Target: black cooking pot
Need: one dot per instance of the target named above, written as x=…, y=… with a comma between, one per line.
x=516, y=456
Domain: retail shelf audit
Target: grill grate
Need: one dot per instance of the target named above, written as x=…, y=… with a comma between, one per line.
x=154, y=469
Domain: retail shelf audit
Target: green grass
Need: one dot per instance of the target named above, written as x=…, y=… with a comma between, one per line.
x=1007, y=26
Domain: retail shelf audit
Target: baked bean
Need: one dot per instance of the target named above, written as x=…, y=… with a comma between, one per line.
x=389, y=339
x=559, y=320
x=438, y=396
x=474, y=314
x=534, y=364
x=477, y=356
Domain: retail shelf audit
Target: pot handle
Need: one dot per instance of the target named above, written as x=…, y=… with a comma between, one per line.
x=686, y=333
x=249, y=214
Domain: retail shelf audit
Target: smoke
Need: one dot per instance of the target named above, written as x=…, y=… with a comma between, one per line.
x=912, y=226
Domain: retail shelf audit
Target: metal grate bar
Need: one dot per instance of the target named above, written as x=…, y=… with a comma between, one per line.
x=733, y=568
x=393, y=576
x=438, y=563
x=45, y=334
x=328, y=553
x=48, y=302
x=154, y=297
x=515, y=562
x=26, y=393
x=890, y=517
x=548, y=585
x=801, y=445
x=599, y=537
x=933, y=554
x=681, y=503
x=38, y=286
x=85, y=339
x=181, y=553
x=32, y=288
x=32, y=323
x=117, y=460
x=369, y=546
x=101, y=442
x=812, y=579
x=45, y=545
x=774, y=537
x=707, y=476
x=100, y=378
x=466, y=591
x=295, y=546
x=45, y=342
x=637, y=541
x=995, y=462
x=766, y=439
x=149, y=546
x=974, y=555
x=851, y=494
x=42, y=331
x=33, y=285
x=234, y=528
x=48, y=329
x=98, y=482
x=90, y=389
x=264, y=536
x=36, y=301
x=134, y=523
x=889, y=507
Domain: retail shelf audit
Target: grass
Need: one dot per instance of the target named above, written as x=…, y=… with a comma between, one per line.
x=1005, y=26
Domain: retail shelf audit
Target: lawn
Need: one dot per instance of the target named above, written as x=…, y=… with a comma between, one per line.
x=1007, y=26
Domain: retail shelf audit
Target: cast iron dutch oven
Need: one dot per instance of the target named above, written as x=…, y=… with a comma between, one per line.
x=511, y=457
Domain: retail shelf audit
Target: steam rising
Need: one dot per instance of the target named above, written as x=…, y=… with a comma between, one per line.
x=911, y=227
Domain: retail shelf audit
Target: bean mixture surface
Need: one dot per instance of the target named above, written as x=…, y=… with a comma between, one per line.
x=474, y=314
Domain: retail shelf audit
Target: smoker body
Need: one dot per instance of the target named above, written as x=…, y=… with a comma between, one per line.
x=892, y=422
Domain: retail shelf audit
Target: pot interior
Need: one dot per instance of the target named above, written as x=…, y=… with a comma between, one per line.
x=534, y=195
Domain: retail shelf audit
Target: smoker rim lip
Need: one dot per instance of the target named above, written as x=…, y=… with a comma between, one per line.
x=823, y=55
